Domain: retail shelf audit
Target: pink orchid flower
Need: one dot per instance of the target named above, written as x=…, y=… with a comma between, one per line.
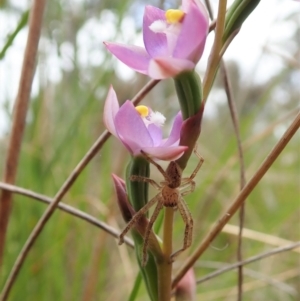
x=139, y=129
x=174, y=41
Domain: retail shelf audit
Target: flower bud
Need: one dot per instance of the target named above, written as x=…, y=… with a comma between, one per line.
x=185, y=290
x=122, y=198
x=189, y=134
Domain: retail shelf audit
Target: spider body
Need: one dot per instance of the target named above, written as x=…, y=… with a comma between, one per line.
x=169, y=191
x=170, y=195
x=173, y=173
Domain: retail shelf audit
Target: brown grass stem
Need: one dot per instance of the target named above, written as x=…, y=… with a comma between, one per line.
x=145, y=90
x=228, y=268
x=235, y=122
x=214, y=58
x=66, y=208
x=243, y=194
x=19, y=115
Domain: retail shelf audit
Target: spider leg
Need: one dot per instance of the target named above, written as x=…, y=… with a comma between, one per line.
x=201, y=160
x=186, y=181
x=135, y=218
x=155, y=164
x=149, y=227
x=192, y=185
x=189, y=180
x=188, y=233
x=144, y=179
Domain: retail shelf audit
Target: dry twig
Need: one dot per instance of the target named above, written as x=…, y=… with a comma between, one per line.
x=244, y=193
x=235, y=121
x=68, y=209
x=249, y=260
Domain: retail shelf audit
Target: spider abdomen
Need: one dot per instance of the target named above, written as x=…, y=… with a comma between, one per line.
x=170, y=196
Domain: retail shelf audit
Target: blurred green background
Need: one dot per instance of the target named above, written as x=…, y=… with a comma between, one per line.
x=73, y=260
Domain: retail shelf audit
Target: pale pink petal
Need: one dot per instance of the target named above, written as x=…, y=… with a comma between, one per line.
x=191, y=40
x=134, y=57
x=202, y=8
x=155, y=133
x=165, y=153
x=131, y=128
x=175, y=132
x=155, y=43
x=185, y=5
x=132, y=145
x=164, y=67
x=111, y=107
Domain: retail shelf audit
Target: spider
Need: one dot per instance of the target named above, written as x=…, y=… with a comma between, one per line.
x=169, y=195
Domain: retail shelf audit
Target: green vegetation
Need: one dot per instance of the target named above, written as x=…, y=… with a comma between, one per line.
x=73, y=260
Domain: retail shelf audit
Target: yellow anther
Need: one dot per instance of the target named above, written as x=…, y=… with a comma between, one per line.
x=142, y=110
x=174, y=15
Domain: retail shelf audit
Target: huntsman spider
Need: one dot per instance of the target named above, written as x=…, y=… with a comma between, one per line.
x=170, y=195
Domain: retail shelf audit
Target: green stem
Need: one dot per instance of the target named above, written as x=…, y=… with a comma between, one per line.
x=236, y=15
x=137, y=191
x=168, y=231
x=138, y=196
x=189, y=93
x=165, y=267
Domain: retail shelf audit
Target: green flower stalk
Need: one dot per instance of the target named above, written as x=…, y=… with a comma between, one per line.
x=189, y=91
x=149, y=271
x=237, y=14
x=137, y=190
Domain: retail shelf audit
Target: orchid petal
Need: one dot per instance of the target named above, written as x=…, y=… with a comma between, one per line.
x=185, y=5
x=165, y=153
x=134, y=57
x=155, y=43
x=202, y=8
x=111, y=107
x=175, y=132
x=129, y=125
x=164, y=67
x=191, y=40
x=155, y=133
x=132, y=145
